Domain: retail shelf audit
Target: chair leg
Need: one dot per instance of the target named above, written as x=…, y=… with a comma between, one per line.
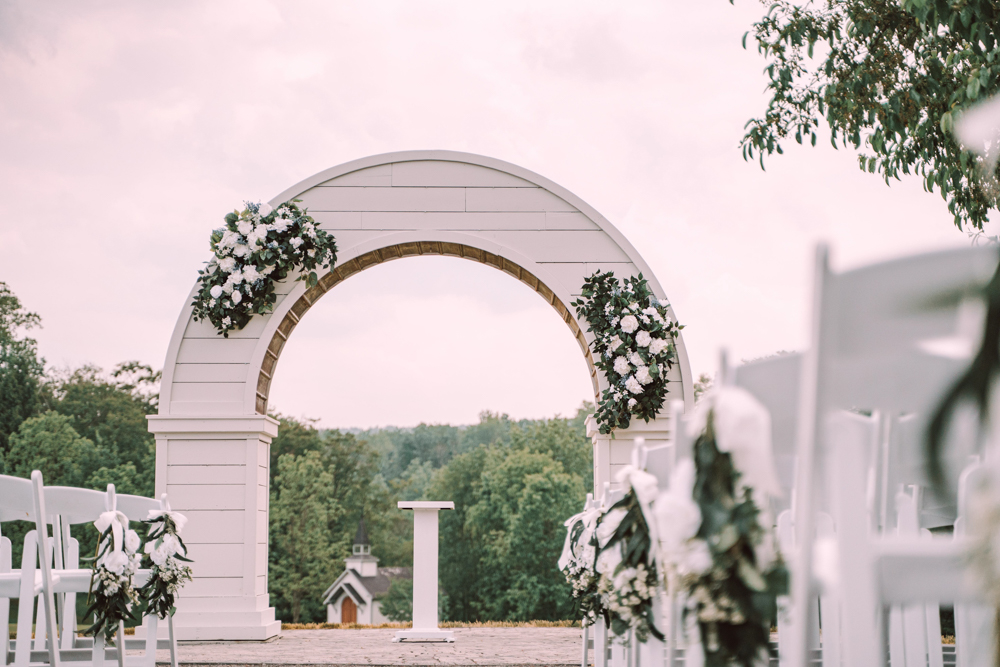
x=26, y=603
x=173, y=641
x=121, y=644
x=97, y=656
x=149, y=656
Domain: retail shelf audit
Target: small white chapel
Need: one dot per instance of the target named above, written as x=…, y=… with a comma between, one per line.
x=355, y=596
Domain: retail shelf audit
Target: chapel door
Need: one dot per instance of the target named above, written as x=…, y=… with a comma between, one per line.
x=348, y=611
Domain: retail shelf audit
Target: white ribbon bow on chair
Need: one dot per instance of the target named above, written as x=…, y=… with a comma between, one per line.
x=178, y=518
x=116, y=560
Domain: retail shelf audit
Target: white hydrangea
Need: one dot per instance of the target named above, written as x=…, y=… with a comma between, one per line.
x=227, y=264
x=250, y=274
x=629, y=324
x=636, y=359
x=280, y=225
x=296, y=242
x=245, y=227
x=621, y=365
x=241, y=250
x=642, y=338
x=642, y=375
x=633, y=385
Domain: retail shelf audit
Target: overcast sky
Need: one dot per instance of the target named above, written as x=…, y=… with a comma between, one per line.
x=127, y=130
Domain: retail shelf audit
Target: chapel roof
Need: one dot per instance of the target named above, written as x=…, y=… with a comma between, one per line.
x=375, y=586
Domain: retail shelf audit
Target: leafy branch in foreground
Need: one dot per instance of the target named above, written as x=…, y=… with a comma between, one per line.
x=889, y=80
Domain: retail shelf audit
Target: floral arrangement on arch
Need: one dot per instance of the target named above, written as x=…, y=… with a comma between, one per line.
x=633, y=345
x=258, y=247
x=166, y=555
x=116, y=562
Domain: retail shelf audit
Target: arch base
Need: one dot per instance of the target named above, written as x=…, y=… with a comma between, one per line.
x=217, y=470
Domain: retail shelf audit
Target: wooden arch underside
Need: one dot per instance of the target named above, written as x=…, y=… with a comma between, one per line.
x=389, y=253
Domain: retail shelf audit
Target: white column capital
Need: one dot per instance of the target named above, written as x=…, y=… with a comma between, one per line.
x=186, y=426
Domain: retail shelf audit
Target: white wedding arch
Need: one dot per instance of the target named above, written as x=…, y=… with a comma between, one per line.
x=213, y=433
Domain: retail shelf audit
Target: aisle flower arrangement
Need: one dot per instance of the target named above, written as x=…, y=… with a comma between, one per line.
x=634, y=346
x=735, y=599
x=578, y=560
x=165, y=555
x=628, y=578
x=258, y=247
x=114, y=596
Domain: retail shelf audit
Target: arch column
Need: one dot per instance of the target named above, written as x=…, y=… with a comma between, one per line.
x=216, y=471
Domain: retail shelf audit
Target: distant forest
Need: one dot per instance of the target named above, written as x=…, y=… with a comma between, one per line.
x=513, y=482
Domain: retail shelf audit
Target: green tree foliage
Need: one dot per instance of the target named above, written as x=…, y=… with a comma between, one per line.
x=303, y=548
x=21, y=369
x=111, y=412
x=49, y=443
x=500, y=545
x=889, y=79
x=397, y=603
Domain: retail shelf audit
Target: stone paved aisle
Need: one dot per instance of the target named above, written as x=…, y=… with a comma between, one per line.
x=473, y=646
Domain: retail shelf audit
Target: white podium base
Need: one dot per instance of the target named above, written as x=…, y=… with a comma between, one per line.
x=430, y=635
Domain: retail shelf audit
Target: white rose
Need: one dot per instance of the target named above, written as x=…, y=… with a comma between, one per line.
x=236, y=277
x=115, y=562
x=132, y=541
x=264, y=210
x=642, y=338
x=216, y=291
x=657, y=345
x=621, y=365
x=635, y=359
x=642, y=375
x=241, y=250
x=227, y=264
x=629, y=324
x=633, y=385
x=296, y=242
x=632, y=403
x=237, y=297
x=245, y=227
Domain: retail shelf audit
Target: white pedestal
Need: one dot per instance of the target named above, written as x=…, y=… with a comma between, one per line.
x=425, y=573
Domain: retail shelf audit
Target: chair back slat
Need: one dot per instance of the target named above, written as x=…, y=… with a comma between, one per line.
x=74, y=505
x=16, y=503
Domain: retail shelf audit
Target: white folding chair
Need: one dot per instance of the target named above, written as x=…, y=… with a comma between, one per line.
x=874, y=330
x=68, y=506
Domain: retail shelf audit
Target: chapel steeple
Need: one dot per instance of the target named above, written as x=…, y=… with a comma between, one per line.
x=361, y=559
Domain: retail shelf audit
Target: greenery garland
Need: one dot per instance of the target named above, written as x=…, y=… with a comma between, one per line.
x=111, y=588
x=257, y=248
x=735, y=600
x=633, y=345
x=164, y=554
x=627, y=568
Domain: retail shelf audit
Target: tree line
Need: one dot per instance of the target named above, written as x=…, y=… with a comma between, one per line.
x=513, y=482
